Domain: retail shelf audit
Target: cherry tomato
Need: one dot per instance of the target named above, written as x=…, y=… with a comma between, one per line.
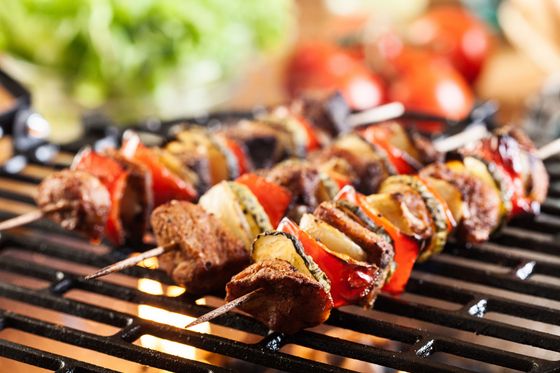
x=433, y=88
x=323, y=68
x=456, y=34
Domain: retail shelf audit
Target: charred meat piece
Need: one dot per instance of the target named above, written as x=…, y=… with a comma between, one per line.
x=370, y=172
x=425, y=148
x=300, y=178
x=377, y=246
x=76, y=200
x=291, y=301
x=208, y=256
x=194, y=160
x=328, y=114
x=266, y=145
x=481, y=205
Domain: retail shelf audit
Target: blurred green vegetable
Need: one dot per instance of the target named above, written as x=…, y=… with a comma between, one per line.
x=115, y=48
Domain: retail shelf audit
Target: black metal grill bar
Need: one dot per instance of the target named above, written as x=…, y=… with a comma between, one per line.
x=47, y=360
x=490, y=278
x=84, y=310
x=101, y=344
x=418, y=344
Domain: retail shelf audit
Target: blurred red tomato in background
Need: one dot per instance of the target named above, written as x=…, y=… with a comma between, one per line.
x=322, y=68
x=454, y=33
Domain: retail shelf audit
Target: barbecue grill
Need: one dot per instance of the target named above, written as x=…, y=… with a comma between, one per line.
x=492, y=307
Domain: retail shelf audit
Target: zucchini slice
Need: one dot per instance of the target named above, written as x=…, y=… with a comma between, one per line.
x=331, y=237
x=450, y=193
x=395, y=183
x=358, y=215
x=221, y=201
x=327, y=189
x=359, y=146
x=297, y=132
x=252, y=209
x=201, y=140
x=280, y=245
x=396, y=212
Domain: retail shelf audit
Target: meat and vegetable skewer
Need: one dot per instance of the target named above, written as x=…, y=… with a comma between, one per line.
x=347, y=246
x=137, y=178
x=287, y=302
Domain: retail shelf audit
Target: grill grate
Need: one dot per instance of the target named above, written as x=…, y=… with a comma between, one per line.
x=496, y=303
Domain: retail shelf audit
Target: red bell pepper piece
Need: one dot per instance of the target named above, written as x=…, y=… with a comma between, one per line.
x=114, y=177
x=240, y=155
x=274, y=198
x=406, y=247
x=312, y=140
x=166, y=186
x=351, y=281
x=402, y=161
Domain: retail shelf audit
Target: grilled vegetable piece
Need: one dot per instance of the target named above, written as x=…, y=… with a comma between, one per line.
x=481, y=170
x=439, y=211
x=448, y=193
x=191, y=159
x=254, y=213
x=373, y=240
x=208, y=253
x=290, y=301
x=281, y=245
x=406, y=248
x=406, y=210
x=274, y=198
x=512, y=154
x=221, y=201
x=328, y=114
x=82, y=202
x=219, y=163
x=128, y=184
x=351, y=281
x=166, y=186
x=331, y=237
x=366, y=168
x=395, y=143
x=481, y=205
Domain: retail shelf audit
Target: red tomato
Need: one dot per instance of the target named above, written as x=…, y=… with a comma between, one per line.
x=433, y=88
x=323, y=68
x=456, y=34
x=274, y=198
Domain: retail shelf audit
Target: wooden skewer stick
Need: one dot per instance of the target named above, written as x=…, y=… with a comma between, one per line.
x=548, y=150
x=377, y=114
x=21, y=220
x=225, y=308
x=132, y=261
x=31, y=216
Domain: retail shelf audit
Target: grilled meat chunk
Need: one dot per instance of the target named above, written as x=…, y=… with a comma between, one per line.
x=76, y=200
x=300, y=178
x=208, y=253
x=377, y=247
x=481, y=205
x=266, y=145
x=328, y=114
x=290, y=301
x=370, y=171
x=425, y=148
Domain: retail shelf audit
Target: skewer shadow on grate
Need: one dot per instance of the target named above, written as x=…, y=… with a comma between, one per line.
x=488, y=308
